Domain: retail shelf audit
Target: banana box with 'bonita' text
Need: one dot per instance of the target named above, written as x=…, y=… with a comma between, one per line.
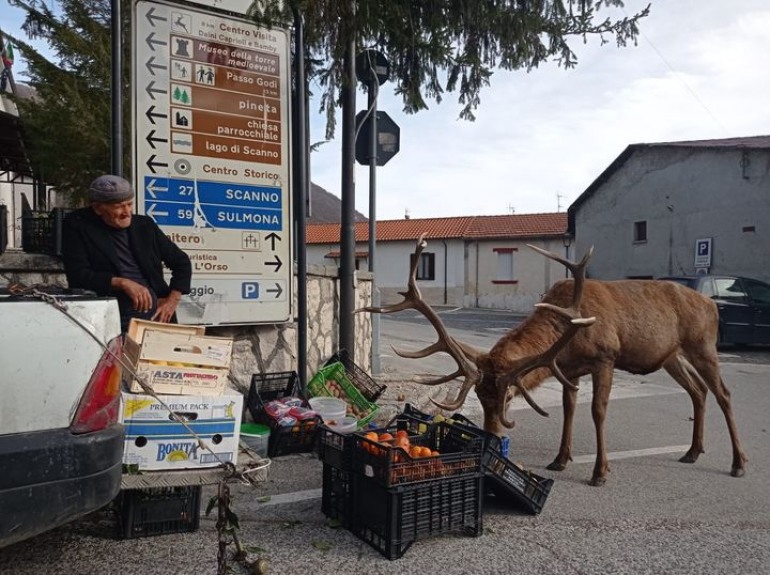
x=156, y=441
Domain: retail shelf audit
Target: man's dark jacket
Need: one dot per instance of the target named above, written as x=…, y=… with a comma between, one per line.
x=90, y=259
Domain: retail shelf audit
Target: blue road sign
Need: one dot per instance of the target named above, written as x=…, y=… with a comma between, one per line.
x=180, y=202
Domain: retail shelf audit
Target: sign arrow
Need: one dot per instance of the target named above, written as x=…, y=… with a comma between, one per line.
x=151, y=163
x=152, y=90
x=273, y=237
x=151, y=139
x=277, y=263
x=151, y=41
x=151, y=65
x=152, y=188
x=152, y=212
x=151, y=16
x=277, y=291
x=152, y=114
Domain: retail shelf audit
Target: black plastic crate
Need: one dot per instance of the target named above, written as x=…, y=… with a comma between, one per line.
x=491, y=441
x=159, y=511
x=269, y=386
x=508, y=481
x=391, y=520
x=460, y=450
x=41, y=232
x=369, y=388
x=284, y=439
x=335, y=449
x=298, y=438
x=337, y=495
x=339, y=449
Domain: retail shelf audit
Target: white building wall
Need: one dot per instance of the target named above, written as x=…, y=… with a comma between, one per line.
x=533, y=274
x=392, y=268
x=683, y=194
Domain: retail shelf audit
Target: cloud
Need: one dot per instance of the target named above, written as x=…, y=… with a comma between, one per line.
x=542, y=137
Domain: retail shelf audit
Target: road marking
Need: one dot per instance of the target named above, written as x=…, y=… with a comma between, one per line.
x=310, y=494
x=633, y=453
x=294, y=497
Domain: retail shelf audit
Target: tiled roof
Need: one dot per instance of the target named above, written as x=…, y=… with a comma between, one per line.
x=463, y=227
x=759, y=142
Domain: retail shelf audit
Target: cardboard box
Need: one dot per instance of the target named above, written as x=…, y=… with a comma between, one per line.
x=176, y=359
x=137, y=327
x=155, y=441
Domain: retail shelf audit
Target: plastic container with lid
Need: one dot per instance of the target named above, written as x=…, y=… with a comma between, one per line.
x=256, y=437
x=329, y=408
x=347, y=424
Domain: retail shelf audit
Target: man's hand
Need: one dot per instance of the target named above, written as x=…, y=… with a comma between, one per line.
x=167, y=307
x=140, y=296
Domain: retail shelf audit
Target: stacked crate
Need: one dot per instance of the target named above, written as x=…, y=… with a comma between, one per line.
x=506, y=480
x=390, y=499
x=191, y=421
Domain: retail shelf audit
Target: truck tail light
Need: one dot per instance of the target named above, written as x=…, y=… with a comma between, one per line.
x=98, y=408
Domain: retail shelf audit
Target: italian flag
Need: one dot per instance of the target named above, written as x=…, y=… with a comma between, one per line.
x=8, y=55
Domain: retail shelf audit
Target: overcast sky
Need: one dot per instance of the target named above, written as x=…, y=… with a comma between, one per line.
x=699, y=71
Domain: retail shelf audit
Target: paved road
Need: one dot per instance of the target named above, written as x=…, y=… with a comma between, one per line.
x=654, y=516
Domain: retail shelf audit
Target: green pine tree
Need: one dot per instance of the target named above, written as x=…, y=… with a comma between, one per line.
x=440, y=46
x=434, y=47
x=67, y=125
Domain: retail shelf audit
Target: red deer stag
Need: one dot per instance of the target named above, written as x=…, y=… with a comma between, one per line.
x=586, y=327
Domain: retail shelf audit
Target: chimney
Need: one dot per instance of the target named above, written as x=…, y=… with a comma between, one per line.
x=406, y=213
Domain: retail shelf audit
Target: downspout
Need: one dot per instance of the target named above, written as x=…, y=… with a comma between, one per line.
x=446, y=260
x=477, y=275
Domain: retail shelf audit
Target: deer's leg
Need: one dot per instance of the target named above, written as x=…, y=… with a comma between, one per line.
x=680, y=369
x=708, y=369
x=568, y=403
x=602, y=383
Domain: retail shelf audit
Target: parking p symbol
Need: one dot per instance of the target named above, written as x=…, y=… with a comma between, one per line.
x=250, y=290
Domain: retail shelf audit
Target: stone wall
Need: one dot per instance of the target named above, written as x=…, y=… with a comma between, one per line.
x=268, y=347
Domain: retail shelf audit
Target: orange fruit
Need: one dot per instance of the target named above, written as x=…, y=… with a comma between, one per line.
x=402, y=442
x=385, y=437
x=368, y=447
x=415, y=452
x=425, y=452
x=402, y=433
x=434, y=453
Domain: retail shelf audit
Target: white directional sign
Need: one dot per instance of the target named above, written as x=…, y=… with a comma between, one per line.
x=212, y=157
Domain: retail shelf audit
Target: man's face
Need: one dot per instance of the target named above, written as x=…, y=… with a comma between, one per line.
x=117, y=215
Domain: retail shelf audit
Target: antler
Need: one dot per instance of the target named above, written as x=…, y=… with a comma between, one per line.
x=548, y=358
x=464, y=355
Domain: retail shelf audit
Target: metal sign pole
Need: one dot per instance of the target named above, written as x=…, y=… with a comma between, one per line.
x=117, y=83
x=373, y=219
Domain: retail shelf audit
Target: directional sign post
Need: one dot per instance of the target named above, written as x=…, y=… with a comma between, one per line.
x=212, y=156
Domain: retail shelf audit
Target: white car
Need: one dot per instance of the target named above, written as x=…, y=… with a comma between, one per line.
x=61, y=445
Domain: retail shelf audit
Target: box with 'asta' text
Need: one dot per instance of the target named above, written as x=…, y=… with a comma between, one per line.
x=175, y=359
x=156, y=440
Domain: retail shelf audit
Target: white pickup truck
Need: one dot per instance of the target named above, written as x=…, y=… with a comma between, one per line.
x=61, y=444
